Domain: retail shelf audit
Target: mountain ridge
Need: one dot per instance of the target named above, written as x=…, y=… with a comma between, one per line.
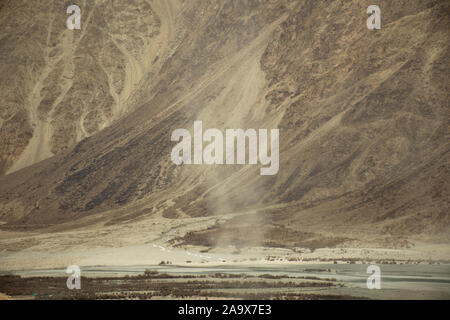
x=363, y=118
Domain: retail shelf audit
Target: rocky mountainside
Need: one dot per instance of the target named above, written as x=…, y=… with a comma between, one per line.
x=363, y=118
x=59, y=86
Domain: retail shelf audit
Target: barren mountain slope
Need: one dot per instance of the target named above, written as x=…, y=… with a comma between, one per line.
x=363, y=118
x=59, y=86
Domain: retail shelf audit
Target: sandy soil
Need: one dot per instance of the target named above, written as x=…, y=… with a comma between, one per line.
x=148, y=242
